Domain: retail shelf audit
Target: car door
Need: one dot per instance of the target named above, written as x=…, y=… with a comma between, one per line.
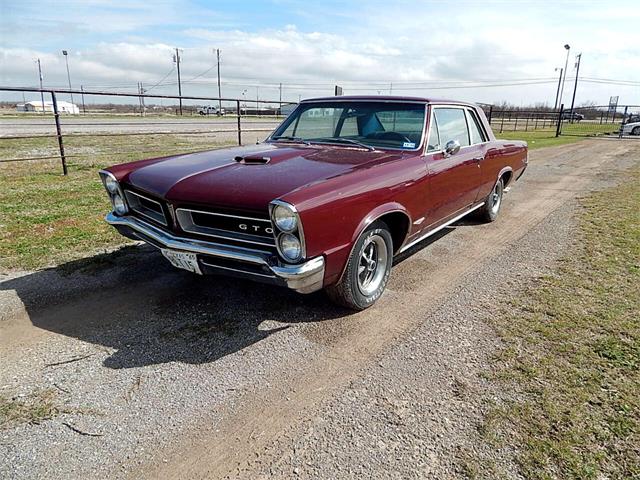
x=454, y=179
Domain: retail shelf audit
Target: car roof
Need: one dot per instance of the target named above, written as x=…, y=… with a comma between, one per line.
x=386, y=98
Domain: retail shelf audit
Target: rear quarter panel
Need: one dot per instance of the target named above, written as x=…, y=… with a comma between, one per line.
x=502, y=156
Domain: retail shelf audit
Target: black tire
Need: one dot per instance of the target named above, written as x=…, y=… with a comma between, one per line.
x=352, y=291
x=635, y=131
x=489, y=211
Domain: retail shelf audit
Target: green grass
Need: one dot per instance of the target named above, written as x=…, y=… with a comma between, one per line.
x=47, y=219
x=571, y=357
x=546, y=137
x=539, y=138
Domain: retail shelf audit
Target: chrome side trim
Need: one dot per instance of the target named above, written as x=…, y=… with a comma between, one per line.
x=132, y=207
x=437, y=229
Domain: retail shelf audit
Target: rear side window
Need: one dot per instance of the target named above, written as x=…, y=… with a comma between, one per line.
x=477, y=135
x=452, y=125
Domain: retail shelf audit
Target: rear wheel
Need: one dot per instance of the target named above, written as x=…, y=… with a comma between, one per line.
x=489, y=211
x=368, y=269
x=635, y=131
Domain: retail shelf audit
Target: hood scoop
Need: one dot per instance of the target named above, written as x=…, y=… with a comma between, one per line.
x=252, y=159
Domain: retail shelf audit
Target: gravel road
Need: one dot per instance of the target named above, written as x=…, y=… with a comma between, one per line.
x=176, y=376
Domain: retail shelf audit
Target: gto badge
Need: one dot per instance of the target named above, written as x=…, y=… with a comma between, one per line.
x=255, y=228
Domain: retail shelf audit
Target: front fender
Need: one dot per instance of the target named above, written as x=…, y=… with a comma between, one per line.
x=337, y=258
x=375, y=214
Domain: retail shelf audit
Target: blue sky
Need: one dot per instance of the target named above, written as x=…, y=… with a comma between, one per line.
x=423, y=48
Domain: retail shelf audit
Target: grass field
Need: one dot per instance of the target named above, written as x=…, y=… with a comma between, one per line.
x=47, y=219
x=546, y=137
x=571, y=357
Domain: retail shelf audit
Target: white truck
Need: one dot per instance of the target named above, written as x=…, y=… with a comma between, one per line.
x=210, y=110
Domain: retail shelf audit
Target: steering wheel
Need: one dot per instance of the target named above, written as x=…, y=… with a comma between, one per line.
x=390, y=136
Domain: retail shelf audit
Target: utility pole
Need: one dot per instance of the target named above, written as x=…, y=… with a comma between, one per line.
x=41, y=92
x=84, y=110
x=575, y=85
x=143, y=107
x=567, y=47
x=66, y=59
x=176, y=59
x=391, y=88
x=219, y=90
x=257, y=97
x=280, y=104
x=555, y=104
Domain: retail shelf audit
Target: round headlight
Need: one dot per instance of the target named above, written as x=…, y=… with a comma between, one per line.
x=111, y=185
x=290, y=247
x=285, y=218
x=118, y=205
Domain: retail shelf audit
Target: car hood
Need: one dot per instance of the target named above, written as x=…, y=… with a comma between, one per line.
x=248, y=177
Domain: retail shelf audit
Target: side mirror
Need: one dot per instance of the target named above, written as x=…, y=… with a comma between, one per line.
x=452, y=147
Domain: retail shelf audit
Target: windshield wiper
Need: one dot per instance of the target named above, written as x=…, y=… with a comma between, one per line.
x=289, y=138
x=346, y=140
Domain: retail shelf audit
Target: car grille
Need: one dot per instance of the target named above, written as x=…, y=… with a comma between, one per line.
x=225, y=226
x=146, y=207
x=247, y=231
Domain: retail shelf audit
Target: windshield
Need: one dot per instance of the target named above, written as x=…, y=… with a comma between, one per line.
x=368, y=124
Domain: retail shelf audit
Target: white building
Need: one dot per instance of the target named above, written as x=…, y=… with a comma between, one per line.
x=38, y=106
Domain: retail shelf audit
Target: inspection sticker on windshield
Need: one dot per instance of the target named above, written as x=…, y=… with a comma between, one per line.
x=409, y=145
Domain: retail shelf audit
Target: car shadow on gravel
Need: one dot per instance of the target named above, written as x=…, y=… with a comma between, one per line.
x=134, y=305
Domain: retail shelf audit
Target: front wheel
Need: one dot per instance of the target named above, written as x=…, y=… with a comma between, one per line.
x=368, y=269
x=635, y=131
x=489, y=211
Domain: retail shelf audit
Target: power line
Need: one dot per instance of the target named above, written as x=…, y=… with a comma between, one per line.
x=163, y=79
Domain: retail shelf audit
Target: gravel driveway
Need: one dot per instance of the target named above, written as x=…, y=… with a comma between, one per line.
x=158, y=373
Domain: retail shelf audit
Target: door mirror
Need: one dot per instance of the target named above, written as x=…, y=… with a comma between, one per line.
x=452, y=147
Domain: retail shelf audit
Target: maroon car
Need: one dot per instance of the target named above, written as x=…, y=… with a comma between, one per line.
x=334, y=193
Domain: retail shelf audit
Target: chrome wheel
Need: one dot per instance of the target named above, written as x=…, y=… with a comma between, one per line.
x=372, y=264
x=495, y=199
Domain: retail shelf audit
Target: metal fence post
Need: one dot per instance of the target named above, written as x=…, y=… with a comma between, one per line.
x=239, y=126
x=56, y=115
x=559, y=120
x=490, y=113
x=622, y=123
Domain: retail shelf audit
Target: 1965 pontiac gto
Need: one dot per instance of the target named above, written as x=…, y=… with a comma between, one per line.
x=327, y=200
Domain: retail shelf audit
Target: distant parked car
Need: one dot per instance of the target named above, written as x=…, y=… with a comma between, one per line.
x=209, y=110
x=575, y=116
x=633, y=118
x=632, y=128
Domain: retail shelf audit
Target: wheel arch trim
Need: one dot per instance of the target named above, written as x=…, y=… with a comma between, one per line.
x=374, y=215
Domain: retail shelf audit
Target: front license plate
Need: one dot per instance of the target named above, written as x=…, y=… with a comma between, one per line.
x=185, y=260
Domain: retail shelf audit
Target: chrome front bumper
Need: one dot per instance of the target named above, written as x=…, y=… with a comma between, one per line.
x=303, y=278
